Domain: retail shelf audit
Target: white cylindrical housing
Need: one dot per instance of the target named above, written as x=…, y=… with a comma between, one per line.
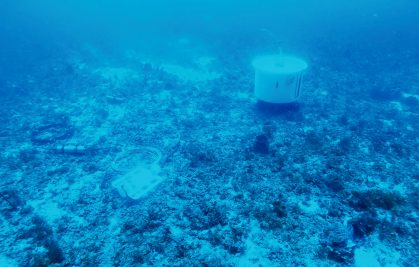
x=278, y=78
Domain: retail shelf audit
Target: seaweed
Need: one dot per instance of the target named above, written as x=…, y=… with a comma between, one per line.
x=364, y=225
x=261, y=145
x=335, y=246
x=372, y=199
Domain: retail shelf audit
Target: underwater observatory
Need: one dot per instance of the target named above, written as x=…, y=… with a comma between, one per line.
x=224, y=133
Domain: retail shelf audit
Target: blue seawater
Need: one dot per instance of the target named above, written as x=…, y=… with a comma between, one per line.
x=145, y=133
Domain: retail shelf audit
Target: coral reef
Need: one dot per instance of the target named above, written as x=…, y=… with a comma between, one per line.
x=327, y=181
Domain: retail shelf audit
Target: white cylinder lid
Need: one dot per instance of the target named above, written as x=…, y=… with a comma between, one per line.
x=279, y=64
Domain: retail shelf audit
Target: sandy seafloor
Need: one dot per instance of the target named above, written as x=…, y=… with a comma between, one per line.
x=329, y=181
